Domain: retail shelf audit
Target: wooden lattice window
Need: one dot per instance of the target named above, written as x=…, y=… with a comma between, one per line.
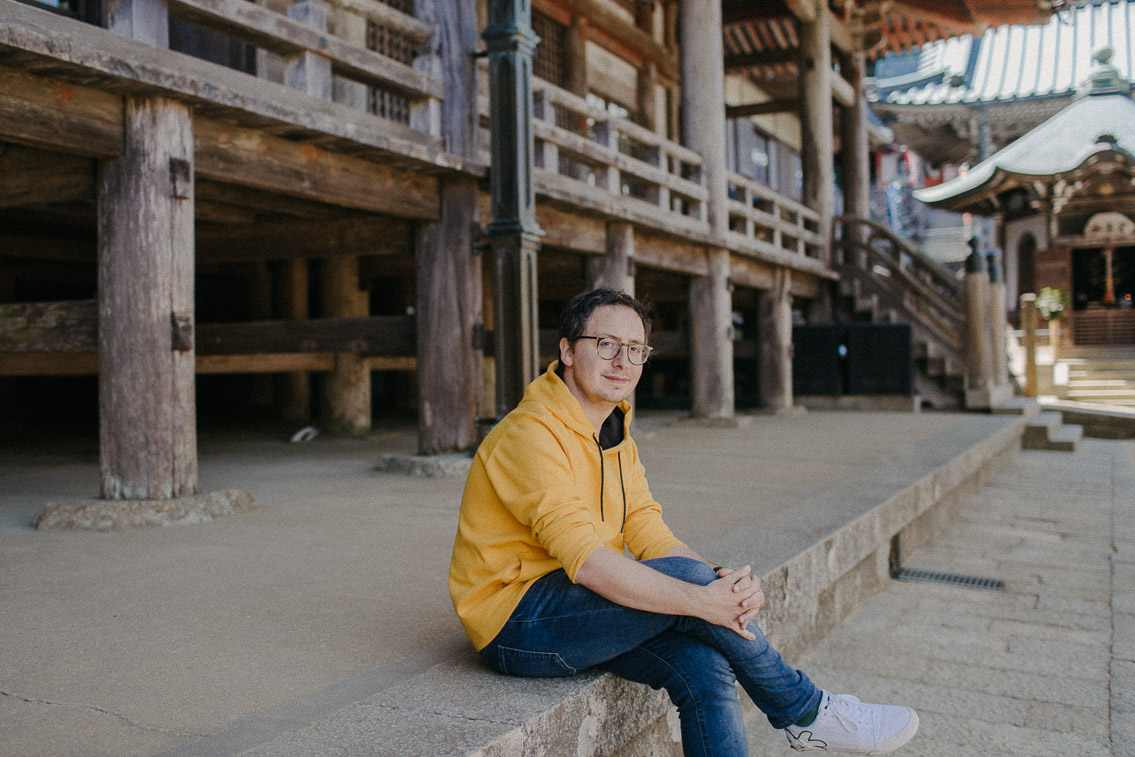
x=397, y=46
x=549, y=63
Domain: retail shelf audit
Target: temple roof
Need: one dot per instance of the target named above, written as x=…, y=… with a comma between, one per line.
x=1101, y=120
x=1014, y=63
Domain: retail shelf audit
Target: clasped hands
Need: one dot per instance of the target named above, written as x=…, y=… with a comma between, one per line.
x=738, y=598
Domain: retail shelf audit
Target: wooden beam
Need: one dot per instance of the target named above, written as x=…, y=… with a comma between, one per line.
x=305, y=239
x=57, y=249
x=236, y=155
x=57, y=115
x=843, y=92
x=747, y=11
x=616, y=30
x=375, y=335
x=762, y=109
x=87, y=363
x=70, y=326
x=763, y=58
x=30, y=176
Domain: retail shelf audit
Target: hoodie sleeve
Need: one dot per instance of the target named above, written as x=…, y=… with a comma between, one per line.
x=532, y=475
x=647, y=535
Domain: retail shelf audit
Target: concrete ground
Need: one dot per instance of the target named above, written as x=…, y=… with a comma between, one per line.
x=214, y=638
x=1044, y=668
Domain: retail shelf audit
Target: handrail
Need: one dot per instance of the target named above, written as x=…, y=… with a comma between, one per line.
x=942, y=277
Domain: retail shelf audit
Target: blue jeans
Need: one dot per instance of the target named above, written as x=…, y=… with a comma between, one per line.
x=560, y=628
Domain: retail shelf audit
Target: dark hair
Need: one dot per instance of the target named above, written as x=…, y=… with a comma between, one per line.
x=574, y=318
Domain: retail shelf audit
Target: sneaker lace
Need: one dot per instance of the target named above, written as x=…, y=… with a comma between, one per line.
x=850, y=712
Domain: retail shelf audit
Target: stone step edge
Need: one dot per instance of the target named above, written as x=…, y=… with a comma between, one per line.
x=458, y=707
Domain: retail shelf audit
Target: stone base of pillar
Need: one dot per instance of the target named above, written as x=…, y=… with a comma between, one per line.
x=732, y=421
x=987, y=398
x=427, y=466
x=122, y=514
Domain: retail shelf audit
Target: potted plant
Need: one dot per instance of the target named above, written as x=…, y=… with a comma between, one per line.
x=1052, y=304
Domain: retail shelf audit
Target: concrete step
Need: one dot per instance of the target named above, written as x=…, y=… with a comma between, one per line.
x=1040, y=429
x=1047, y=431
x=1066, y=438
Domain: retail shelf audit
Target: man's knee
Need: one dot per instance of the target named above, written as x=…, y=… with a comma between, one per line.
x=684, y=569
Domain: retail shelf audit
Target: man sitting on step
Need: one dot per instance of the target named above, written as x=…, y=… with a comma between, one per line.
x=541, y=581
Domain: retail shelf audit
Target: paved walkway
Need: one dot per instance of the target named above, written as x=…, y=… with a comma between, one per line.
x=1045, y=667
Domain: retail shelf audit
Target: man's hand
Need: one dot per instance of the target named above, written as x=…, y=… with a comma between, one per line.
x=746, y=595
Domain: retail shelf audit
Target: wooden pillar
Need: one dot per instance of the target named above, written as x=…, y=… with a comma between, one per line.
x=347, y=390
x=998, y=322
x=513, y=232
x=1028, y=325
x=776, y=343
x=647, y=101
x=293, y=389
x=615, y=270
x=855, y=150
x=979, y=351
x=575, y=55
x=147, y=407
x=449, y=301
x=817, y=146
x=703, y=128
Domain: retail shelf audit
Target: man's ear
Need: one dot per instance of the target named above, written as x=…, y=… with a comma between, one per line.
x=566, y=357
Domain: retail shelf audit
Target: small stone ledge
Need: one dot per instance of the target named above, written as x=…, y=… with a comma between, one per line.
x=121, y=514
x=426, y=466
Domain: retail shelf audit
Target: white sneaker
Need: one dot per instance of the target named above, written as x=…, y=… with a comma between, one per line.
x=844, y=724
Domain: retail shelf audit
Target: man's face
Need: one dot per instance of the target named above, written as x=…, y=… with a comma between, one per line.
x=601, y=384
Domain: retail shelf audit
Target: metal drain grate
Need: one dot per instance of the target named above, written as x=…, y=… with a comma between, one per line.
x=955, y=579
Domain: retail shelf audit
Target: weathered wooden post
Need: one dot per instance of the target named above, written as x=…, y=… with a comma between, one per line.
x=776, y=344
x=448, y=272
x=147, y=406
x=703, y=128
x=855, y=151
x=998, y=321
x=513, y=232
x=347, y=387
x=815, y=96
x=1028, y=325
x=293, y=389
x=979, y=352
x=615, y=270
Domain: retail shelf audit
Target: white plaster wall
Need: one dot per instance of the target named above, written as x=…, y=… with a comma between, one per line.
x=1014, y=231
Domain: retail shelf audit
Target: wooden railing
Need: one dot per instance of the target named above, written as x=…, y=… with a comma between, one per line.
x=763, y=221
x=898, y=276
x=586, y=156
x=307, y=43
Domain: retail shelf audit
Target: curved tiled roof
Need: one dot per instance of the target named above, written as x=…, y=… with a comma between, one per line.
x=1015, y=63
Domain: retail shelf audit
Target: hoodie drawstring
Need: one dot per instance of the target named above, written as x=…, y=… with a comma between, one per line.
x=602, y=477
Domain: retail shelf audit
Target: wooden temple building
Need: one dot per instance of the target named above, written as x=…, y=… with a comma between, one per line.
x=959, y=101
x=1071, y=183
x=334, y=210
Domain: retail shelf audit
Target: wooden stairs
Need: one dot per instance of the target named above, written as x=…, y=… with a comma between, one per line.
x=885, y=279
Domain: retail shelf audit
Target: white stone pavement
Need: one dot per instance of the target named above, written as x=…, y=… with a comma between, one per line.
x=1045, y=667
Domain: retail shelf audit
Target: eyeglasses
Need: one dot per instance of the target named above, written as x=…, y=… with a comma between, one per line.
x=609, y=348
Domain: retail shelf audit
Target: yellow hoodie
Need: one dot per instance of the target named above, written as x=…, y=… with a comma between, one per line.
x=542, y=495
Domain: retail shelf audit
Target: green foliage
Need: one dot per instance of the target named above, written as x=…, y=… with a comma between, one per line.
x=1052, y=303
